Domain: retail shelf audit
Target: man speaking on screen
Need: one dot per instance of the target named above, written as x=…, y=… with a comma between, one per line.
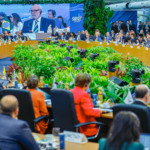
x=37, y=24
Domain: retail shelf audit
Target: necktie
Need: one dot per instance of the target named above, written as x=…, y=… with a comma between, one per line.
x=35, y=30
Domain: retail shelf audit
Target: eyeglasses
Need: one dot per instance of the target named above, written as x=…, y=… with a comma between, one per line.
x=34, y=10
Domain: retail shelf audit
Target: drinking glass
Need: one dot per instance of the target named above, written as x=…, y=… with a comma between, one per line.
x=55, y=133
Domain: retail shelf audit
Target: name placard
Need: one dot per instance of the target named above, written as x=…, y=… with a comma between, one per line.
x=75, y=137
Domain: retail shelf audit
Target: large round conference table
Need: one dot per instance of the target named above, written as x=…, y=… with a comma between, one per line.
x=6, y=50
x=142, y=53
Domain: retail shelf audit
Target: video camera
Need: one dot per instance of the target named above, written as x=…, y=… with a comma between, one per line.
x=69, y=48
x=69, y=58
x=62, y=44
x=93, y=56
x=48, y=41
x=136, y=74
x=82, y=53
x=111, y=65
x=55, y=42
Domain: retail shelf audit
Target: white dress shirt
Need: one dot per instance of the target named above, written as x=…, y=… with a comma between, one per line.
x=39, y=24
x=17, y=28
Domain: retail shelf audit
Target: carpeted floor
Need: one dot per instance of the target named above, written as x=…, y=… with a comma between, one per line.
x=5, y=62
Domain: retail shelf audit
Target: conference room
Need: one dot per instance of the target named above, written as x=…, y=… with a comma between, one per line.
x=74, y=75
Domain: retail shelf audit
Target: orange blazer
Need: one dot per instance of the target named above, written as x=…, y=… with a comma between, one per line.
x=85, y=111
x=40, y=109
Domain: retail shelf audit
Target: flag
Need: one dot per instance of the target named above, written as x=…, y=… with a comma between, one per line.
x=4, y=71
x=6, y=24
x=128, y=99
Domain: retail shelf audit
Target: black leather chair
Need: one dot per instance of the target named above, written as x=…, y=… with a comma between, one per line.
x=143, y=113
x=64, y=112
x=26, y=111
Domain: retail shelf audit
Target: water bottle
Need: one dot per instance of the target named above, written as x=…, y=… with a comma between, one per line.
x=62, y=141
x=94, y=99
x=46, y=85
x=16, y=84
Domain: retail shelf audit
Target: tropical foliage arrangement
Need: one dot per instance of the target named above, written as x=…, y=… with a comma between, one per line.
x=54, y=64
x=96, y=16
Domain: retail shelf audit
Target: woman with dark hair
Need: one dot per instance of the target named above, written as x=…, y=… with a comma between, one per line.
x=72, y=36
x=61, y=18
x=124, y=133
x=17, y=23
x=38, y=101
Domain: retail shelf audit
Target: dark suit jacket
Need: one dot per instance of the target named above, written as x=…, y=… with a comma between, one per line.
x=55, y=34
x=66, y=35
x=113, y=37
x=58, y=24
x=101, y=38
x=115, y=28
x=134, y=41
x=123, y=39
x=82, y=37
x=132, y=27
x=127, y=39
x=45, y=22
x=141, y=42
x=123, y=27
x=139, y=103
x=15, y=134
x=141, y=27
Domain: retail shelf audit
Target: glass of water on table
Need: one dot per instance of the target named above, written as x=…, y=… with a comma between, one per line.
x=55, y=132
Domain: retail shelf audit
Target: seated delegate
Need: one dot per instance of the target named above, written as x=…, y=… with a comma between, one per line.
x=14, y=134
x=38, y=101
x=83, y=104
x=141, y=95
x=124, y=133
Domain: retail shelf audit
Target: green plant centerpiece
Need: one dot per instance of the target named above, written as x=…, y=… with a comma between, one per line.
x=58, y=64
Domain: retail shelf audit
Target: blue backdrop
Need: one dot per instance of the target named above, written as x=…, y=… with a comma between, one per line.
x=123, y=15
x=76, y=17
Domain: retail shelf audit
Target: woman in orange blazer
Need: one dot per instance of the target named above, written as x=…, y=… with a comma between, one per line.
x=39, y=104
x=83, y=104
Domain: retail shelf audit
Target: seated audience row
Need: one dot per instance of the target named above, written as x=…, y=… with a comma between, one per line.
x=129, y=38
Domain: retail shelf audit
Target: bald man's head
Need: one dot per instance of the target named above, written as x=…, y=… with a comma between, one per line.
x=8, y=104
x=142, y=92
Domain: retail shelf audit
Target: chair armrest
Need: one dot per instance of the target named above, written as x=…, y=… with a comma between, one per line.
x=88, y=123
x=40, y=118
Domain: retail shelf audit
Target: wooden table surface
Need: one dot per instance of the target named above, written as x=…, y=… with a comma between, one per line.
x=7, y=50
x=74, y=146
x=106, y=115
x=141, y=53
